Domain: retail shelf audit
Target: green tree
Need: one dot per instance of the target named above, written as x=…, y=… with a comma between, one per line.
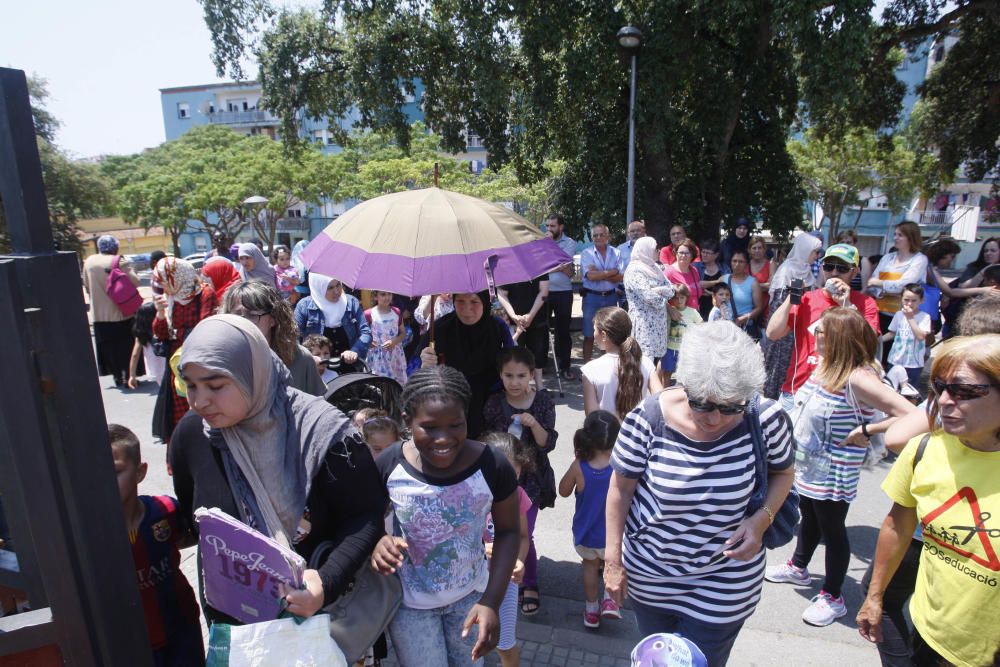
x=848, y=170
x=74, y=189
x=207, y=174
x=720, y=85
x=958, y=116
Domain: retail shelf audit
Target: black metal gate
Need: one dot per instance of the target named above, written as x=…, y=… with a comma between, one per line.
x=57, y=481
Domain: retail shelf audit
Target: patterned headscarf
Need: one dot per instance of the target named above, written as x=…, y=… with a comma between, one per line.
x=179, y=279
x=107, y=245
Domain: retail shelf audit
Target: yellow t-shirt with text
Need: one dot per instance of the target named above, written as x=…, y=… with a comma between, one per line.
x=956, y=492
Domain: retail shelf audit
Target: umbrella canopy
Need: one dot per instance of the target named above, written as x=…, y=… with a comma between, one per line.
x=430, y=241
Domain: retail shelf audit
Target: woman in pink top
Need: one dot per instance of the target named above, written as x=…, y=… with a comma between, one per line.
x=681, y=270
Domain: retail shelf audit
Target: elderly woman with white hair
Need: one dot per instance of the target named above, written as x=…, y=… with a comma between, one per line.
x=681, y=542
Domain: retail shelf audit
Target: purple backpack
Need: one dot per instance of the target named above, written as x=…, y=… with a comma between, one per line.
x=121, y=290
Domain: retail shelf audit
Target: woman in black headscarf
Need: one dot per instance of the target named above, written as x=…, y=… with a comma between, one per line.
x=468, y=340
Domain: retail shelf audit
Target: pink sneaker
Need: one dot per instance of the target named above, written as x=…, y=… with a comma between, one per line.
x=609, y=609
x=591, y=619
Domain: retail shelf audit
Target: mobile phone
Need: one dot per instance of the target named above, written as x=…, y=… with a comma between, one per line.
x=797, y=286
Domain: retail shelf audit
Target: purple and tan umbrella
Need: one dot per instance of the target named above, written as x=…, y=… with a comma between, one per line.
x=431, y=241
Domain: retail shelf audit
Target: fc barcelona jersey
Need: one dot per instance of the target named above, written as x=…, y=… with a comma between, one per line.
x=167, y=598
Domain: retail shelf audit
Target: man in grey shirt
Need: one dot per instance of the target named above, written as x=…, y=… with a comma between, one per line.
x=561, y=296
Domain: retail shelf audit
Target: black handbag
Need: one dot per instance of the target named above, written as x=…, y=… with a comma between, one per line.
x=786, y=518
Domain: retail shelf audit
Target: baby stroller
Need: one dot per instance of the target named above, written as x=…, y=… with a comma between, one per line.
x=356, y=388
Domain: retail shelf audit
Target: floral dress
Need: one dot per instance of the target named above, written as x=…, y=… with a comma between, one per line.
x=389, y=363
x=648, y=312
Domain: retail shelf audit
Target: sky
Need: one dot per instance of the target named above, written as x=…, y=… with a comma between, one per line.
x=105, y=61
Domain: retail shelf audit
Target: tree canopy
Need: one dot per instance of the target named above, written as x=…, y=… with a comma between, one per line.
x=858, y=165
x=721, y=84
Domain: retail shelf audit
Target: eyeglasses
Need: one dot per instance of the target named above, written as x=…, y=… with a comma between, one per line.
x=708, y=406
x=254, y=317
x=830, y=267
x=961, y=391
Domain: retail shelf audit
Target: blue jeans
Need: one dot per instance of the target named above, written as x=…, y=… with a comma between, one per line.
x=434, y=636
x=714, y=639
x=591, y=304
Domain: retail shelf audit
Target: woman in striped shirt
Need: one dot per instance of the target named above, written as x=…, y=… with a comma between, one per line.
x=832, y=424
x=680, y=543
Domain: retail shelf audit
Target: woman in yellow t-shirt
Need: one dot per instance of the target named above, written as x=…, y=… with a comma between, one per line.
x=949, y=482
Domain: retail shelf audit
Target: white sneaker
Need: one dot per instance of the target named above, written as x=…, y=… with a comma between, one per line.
x=786, y=573
x=824, y=610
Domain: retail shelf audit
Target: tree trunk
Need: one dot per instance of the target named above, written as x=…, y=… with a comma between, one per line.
x=654, y=183
x=175, y=238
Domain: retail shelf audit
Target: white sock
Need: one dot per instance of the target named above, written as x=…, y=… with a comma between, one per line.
x=593, y=606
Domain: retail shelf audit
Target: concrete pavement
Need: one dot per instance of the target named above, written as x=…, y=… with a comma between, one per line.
x=774, y=635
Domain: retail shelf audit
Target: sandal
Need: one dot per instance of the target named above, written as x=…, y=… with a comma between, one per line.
x=529, y=604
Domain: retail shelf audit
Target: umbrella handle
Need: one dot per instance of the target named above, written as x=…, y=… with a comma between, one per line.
x=431, y=321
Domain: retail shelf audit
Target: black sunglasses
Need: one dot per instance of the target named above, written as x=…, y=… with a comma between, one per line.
x=708, y=406
x=961, y=391
x=838, y=268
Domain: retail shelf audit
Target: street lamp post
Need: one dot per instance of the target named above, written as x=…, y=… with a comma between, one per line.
x=630, y=39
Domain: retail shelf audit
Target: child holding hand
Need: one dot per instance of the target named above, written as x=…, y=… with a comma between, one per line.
x=589, y=477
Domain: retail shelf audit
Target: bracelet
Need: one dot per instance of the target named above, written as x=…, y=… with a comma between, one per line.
x=769, y=512
x=864, y=430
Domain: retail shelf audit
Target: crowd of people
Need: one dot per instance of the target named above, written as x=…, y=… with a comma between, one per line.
x=736, y=384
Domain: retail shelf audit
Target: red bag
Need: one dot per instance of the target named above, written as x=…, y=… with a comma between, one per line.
x=121, y=290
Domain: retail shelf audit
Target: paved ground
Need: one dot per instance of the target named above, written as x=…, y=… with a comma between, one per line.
x=774, y=635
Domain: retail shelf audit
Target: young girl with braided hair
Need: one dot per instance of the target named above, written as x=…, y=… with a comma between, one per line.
x=441, y=487
x=618, y=380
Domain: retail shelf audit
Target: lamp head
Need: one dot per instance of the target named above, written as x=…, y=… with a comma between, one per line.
x=629, y=38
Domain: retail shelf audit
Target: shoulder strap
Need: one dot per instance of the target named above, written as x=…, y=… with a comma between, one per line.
x=757, y=438
x=919, y=454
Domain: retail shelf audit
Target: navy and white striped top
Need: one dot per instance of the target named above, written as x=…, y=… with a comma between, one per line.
x=690, y=499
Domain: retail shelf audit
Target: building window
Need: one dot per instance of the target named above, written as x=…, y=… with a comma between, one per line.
x=319, y=136
x=294, y=213
x=183, y=110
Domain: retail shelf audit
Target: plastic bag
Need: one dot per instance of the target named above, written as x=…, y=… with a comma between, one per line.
x=810, y=428
x=282, y=642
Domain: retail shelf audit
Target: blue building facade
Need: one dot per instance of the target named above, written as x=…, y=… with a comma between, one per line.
x=237, y=105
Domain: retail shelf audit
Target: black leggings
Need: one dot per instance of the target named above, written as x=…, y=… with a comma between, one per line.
x=824, y=519
x=894, y=649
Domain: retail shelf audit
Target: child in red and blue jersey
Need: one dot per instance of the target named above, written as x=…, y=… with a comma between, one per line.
x=156, y=535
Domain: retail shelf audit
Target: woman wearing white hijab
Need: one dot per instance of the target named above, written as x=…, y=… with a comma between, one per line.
x=254, y=266
x=328, y=310
x=798, y=265
x=285, y=463
x=647, y=291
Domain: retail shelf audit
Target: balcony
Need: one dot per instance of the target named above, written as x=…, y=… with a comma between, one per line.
x=255, y=117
